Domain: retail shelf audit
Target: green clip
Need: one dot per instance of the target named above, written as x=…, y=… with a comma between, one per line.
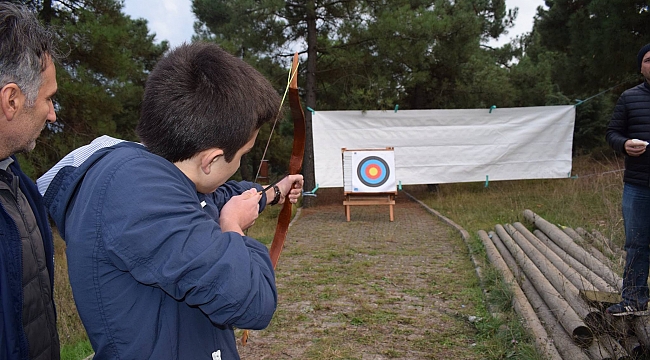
x=399, y=186
x=312, y=111
x=396, y=107
x=310, y=193
x=487, y=180
x=492, y=108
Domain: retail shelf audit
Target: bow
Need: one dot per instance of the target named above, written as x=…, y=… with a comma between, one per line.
x=295, y=164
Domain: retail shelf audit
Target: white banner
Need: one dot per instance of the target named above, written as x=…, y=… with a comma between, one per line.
x=447, y=146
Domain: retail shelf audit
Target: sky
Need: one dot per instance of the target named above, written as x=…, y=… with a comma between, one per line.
x=524, y=21
x=173, y=20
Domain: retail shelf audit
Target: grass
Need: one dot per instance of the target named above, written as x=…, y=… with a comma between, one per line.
x=399, y=291
x=74, y=341
x=79, y=350
x=591, y=201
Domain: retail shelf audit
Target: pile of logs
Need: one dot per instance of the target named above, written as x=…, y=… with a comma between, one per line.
x=561, y=285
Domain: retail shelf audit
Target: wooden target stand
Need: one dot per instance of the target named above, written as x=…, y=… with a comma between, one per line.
x=386, y=198
x=357, y=199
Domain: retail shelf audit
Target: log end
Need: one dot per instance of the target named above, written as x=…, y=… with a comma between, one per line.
x=583, y=336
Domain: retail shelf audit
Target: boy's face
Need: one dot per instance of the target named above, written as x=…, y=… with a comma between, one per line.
x=222, y=170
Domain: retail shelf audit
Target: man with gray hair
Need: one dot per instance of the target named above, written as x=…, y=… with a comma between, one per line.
x=27, y=85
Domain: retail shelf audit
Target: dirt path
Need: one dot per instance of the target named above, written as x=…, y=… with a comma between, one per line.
x=370, y=288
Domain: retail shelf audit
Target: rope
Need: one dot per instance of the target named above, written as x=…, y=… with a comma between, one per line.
x=579, y=102
x=599, y=174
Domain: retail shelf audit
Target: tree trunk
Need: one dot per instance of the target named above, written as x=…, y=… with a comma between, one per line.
x=312, y=53
x=46, y=12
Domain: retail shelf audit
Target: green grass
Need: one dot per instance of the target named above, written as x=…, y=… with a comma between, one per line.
x=74, y=341
x=79, y=350
x=592, y=200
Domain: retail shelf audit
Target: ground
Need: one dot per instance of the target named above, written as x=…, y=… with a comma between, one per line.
x=370, y=289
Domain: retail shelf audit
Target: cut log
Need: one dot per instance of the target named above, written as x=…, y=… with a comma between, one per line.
x=565, y=314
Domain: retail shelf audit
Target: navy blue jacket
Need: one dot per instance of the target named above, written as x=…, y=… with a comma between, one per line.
x=13, y=342
x=631, y=120
x=152, y=274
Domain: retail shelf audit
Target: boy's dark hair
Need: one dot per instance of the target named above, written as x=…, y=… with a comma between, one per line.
x=199, y=97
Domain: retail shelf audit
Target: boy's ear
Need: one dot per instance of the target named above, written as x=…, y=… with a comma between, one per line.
x=11, y=100
x=208, y=157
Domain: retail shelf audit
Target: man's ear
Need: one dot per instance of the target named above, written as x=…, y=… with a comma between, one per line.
x=210, y=156
x=11, y=100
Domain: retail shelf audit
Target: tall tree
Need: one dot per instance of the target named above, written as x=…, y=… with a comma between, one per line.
x=598, y=40
x=431, y=49
x=591, y=47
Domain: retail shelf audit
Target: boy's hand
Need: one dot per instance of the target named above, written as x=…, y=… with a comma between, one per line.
x=292, y=185
x=240, y=212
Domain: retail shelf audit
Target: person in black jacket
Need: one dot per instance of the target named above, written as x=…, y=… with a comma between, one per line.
x=27, y=84
x=629, y=132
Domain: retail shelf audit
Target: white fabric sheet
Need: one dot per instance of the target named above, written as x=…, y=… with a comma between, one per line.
x=447, y=146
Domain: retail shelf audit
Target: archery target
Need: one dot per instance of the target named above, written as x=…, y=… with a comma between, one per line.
x=373, y=171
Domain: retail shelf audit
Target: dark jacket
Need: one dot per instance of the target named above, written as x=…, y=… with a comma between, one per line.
x=13, y=342
x=631, y=120
x=152, y=274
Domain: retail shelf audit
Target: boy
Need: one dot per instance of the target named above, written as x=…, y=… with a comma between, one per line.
x=158, y=261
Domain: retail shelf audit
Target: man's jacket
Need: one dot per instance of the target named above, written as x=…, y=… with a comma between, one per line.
x=152, y=274
x=13, y=341
x=631, y=120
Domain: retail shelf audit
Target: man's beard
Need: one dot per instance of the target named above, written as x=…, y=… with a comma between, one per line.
x=29, y=147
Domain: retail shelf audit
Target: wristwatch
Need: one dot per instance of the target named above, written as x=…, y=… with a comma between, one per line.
x=278, y=194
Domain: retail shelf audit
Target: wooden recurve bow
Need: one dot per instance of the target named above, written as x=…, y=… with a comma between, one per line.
x=295, y=165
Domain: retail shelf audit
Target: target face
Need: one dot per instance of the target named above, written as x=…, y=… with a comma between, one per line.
x=373, y=171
